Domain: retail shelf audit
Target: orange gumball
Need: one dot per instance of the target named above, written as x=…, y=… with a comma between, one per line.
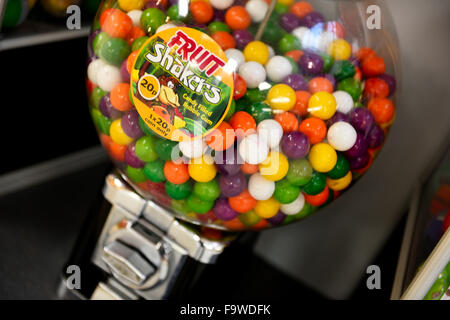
x=135, y=33
x=364, y=53
x=116, y=23
x=105, y=140
x=318, y=199
x=243, y=202
x=288, y=121
x=301, y=103
x=262, y=224
x=301, y=9
x=294, y=54
x=201, y=11
x=224, y=39
x=248, y=168
x=176, y=173
x=382, y=109
x=243, y=123
x=376, y=88
x=237, y=18
x=314, y=128
x=130, y=60
x=320, y=84
x=120, y=98
x=221, y=138
x=117, y=151
x=373, y=66
x=234, y=224
x=358, y=74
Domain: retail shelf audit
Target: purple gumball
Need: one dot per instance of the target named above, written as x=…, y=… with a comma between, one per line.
x=362, y=120
x=337, y=117
x=277, y=219
x=124, y=72
x=130, y=124
x=376, y=137
x=295, y=144
x=242, y=38
x=310, y=63
x=289, y=21
x=232, y=185
x=311, y=19
x=223, y=211
x=131, y=158
x=228, y=162
x=390, y=80
x=296, y=82
x=359, y=162
x=358, y=149
x=107, y=109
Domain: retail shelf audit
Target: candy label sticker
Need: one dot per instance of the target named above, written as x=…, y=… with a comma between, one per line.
x=181, y=83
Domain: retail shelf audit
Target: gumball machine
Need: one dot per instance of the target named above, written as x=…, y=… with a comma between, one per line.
x=224, y=117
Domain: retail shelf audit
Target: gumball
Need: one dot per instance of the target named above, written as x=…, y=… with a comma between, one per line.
x=218, y=26
x=310, y=63
x=295, y=206
x=322, y=105
x=382, y=109
x=338, y=116
x=375, y=88
x=361, y=119
x=228, y=162
x=93, y=70
x=253, y=149
x=376, y=137
x=341, y=136
x=116, y=23
x=295, y=144
x=130, y=124
x=130, y=157
x=221, y=138
x=318, y=199
x=102, y=123
x=314, y=128
x=128, y=5
x=201, y=11
x=289, y=42
x=257, y=10
x=341, y=183
x=318, y=84
x=359, y=162
x=223, y=38
x=117, y=151
x=300, y=172
x=253, y=73
x=289, y=21
x=193, y=148
x=296, y=82
x=207, y=191
x=249, y=218
x=256, y=51
x=312, y=19
x=152, y=19
x=223, y=210
x=278, y=68
x=96, y=96
x=138, y=43
x=242, y=38
x=343, y=69
x=176, y=173
x=235, y=55
x=198, y=205
x=145, y=149
x=340, y=169
x=288, y=121
x=243, y=202
x=281, y=97
x=117, y=134
x=243, y=124
x=154, y=171
x=98, y=42
x=322, y=157
x=285, y=192
x=390, y=81
x=135, y=16
x=344, y=101
x=135, y=174
x=126, y=77
x=232, y=185
x=259, y=111
x=108, y=77
x=274, y=167
x=316, y=184
x=237, y=18
x=351, y=86
x=202, y=169
x=240, y=87
x=270, y=131
x=301, y=102
x=373, y=66
x=248, y=168
x=107, y=109
x=300, y=33
x=267, y=208
x=359, y=147
x=120, y=97
x=166, y=149
x=260, y=188
x=340, y=49
x=301, y=9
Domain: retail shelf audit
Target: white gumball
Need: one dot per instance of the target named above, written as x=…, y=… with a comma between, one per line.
x=270, y=131
x=325, y=39
x=193, y=148
x=271, y=51
x=253, y=149
x=311, y=40
x=221, y=4
x=108, y=77
x=344, y=101
x=257, y=9
x=135, y=16
x=260, y=188
x=294, y=207
x=165, y=27
x=341, y=136
x=277, y=68
x=253, y=73
x=300, y=32
x=235, y=55
x=94, y=68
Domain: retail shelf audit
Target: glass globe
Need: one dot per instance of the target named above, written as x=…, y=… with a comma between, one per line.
x=242, y=115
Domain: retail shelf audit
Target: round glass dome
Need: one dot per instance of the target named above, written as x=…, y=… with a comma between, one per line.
x=242, y=115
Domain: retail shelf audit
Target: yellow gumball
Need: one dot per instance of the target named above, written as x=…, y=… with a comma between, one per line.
x=281, y=97
x=256, y=51
x=129, y=5
x=202, y=169
x=322, y=157
x=286, y=2
x=341, y=183
x=274, y=167
x=117, y=134
x=322, y=105
x=340, y=49
x=267, y=208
